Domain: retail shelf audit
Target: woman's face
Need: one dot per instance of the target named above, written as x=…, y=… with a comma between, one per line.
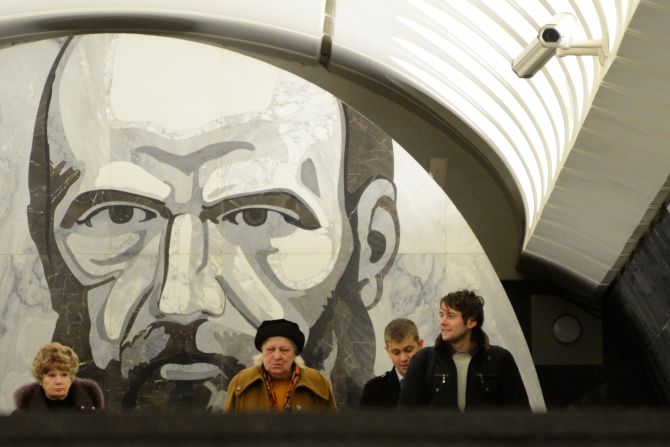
x=278, y=356
x=56, y=384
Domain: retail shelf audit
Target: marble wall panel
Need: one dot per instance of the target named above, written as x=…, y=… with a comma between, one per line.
x=179, y=194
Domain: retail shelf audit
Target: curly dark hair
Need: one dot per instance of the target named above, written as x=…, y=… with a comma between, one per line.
x=468, y=303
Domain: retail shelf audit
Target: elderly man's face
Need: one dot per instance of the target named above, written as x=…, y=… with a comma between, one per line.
x=279, y=353
x=207, y=199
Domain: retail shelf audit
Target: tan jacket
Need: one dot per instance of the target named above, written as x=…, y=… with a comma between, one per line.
x=247, y=392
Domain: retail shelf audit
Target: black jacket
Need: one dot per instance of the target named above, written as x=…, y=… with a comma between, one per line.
x=493, y=378
x=85, y=395
x=382, y=391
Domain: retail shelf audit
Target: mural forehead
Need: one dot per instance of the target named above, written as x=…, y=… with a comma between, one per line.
x=179, y=194
x=155, y=77
x=180, y=88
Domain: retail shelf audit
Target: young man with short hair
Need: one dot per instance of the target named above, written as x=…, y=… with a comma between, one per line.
x=463, y=371
x=402, y=342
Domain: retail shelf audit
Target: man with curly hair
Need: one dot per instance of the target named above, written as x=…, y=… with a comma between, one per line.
x=463, y=370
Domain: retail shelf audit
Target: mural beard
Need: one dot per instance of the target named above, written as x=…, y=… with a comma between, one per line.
x=341, y=342
x=146, y=385
x=344, y=337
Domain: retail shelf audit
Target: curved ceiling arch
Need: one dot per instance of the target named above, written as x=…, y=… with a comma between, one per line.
x=386, y=60
x=295, y=42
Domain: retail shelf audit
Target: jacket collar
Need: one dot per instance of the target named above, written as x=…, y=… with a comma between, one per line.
x=33, y=396
x=309, y=378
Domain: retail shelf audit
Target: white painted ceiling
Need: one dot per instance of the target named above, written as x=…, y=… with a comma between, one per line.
x=615, y=179
x=460, y=54
x=563, y=172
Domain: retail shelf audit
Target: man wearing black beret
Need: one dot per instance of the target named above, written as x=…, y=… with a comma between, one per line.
x=279, y=380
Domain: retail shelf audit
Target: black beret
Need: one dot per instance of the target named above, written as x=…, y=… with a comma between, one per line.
x=280, y=328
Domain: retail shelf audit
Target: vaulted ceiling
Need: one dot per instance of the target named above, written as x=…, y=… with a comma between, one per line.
x=560, y=174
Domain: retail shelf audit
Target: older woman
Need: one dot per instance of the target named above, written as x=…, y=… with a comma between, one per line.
x=279, y=380
x=57, y=388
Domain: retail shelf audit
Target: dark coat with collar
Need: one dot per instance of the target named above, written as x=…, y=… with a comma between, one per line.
x=382, y=391
x=493, y=379
x=86, y=396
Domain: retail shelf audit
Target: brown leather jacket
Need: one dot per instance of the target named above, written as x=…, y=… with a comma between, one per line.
x=247, y=392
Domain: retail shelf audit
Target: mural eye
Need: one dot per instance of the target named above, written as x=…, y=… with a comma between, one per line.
x=120, y=214
x=117, y=214
x=255, y=217
x=270, y=217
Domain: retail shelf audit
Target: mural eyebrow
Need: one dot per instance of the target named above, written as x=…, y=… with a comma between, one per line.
x=87, y=200
x=275, y=199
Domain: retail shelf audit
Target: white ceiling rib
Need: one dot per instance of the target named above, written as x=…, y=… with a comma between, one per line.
x=533, y=142
x=615, y=180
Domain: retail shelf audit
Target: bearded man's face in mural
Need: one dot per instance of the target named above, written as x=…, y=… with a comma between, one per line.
x=190, y=194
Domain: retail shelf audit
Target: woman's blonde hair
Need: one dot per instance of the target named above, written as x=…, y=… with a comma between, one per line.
x=55, y=356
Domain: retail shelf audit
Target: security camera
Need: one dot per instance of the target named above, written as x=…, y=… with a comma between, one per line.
x=554, y=38
x=544, y=46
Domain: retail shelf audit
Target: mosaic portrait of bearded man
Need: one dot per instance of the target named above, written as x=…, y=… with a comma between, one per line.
x=178, y=194
x=178, y=202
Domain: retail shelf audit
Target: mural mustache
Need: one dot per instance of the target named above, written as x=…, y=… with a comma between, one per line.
x=174, y=375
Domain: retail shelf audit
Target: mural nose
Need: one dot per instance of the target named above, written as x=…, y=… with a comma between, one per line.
x=189, y=286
